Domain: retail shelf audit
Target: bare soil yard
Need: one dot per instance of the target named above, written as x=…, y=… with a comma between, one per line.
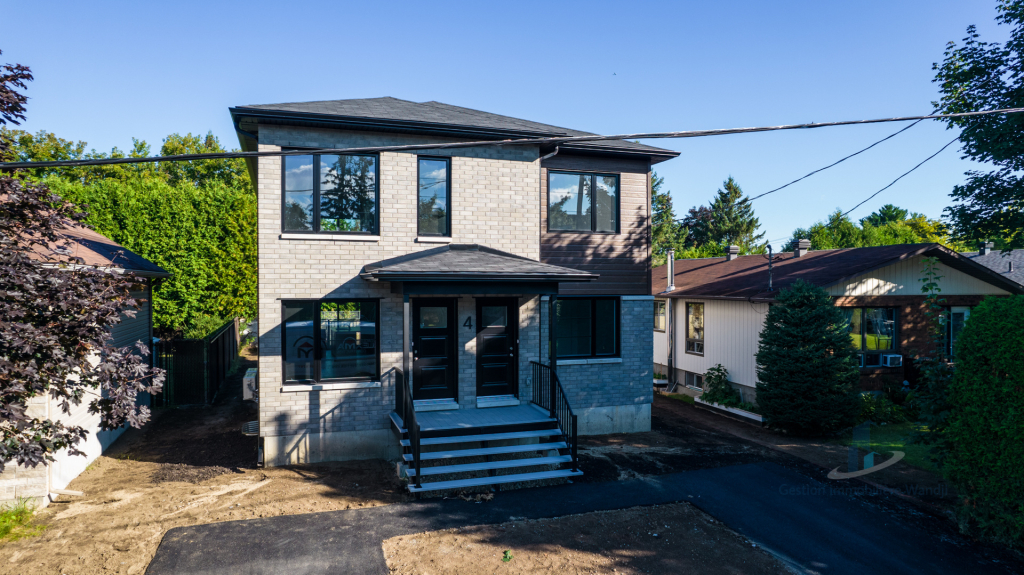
x=188, y=467
x=662, y=539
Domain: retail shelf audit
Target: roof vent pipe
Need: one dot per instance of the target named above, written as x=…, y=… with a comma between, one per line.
x=670, y=270
x=985, y=247
x=731, y=253
x=802, y=247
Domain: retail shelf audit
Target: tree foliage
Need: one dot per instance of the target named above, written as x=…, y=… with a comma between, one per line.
x=733, y=222
x=807, y=374
x=986, y=423
x=666, y=233
x=890, y=225
x=979, y=75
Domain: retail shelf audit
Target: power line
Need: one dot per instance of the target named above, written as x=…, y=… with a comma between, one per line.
x=836, y=163
x=556, y=140
x=901, y=176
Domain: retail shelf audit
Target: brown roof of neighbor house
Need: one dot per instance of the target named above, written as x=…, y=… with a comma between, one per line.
x=746, y=277
x=100, y=251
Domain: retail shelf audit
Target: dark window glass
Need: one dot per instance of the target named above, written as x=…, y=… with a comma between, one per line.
x=433, y=317
x=298, y=193
x=433, y=209
x=957, y=319
x=606, y=204
x=695, y=327
x=330, y=193
x=330, y=340
x=299, y=340
x=583, y=202
x=348, y=332
x=588, y=327
x=574, y=327
x=872, y=333
x=494, y=316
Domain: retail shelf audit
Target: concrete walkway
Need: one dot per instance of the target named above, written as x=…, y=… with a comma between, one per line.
x=813, y=528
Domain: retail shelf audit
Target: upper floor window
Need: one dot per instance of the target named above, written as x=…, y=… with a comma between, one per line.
x=695, y=328
x=873, y=332
x=330, y=194
x=580, y=202
x=587, y=327
x=659, y=315
x=434, y=197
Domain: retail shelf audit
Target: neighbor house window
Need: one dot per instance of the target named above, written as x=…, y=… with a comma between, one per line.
x=330, y=340
x=954, y=325
x=695, y=328
x=330, y=194
x=693, y=380
x=588, y=327
x=434, y=197
x=659, y=316
x=583, y=202
x=873, y=332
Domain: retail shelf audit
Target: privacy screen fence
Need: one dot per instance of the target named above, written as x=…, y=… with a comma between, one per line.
x=196, y=367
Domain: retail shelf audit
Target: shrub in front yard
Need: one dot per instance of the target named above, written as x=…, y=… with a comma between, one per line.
x=717, y=388
x=986, y=422
x=806, y=372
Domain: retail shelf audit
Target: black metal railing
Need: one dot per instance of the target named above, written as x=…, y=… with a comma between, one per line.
x=549, y=394
x=406, y=410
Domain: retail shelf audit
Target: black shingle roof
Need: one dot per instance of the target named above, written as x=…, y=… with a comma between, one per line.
x=389, y=109
x=468, y=262
x=1000, y=263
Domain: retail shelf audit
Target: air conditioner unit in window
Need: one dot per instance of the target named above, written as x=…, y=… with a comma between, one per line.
x=892, y=360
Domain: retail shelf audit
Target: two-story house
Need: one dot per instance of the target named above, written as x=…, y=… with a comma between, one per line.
x=410, y=292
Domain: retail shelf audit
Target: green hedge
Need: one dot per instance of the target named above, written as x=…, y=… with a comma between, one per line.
x=204, y=235
x=986, y=427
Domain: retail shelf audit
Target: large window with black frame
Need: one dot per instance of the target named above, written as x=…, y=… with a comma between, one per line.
x=872, y=332
x=581, y=202
x=329, y=194
x=587, y=327
x=695, y=328
x=434, y=197
x=330, y=340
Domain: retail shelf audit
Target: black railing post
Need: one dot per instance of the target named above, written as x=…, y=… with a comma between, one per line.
x=575, y=459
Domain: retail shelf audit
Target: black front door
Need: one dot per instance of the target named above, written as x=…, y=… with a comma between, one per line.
x=497, y=346
x=433, y=349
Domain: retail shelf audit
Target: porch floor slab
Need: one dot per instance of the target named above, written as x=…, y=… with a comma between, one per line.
x=470, y=418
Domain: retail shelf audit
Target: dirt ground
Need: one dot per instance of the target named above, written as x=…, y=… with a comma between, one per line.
x=188, y=467
x=662, y=539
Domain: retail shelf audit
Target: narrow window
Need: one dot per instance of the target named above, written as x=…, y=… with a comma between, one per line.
x=588, y=327
x=659, y=316
x=330, y=340
x=330, y=194
x=695, y=328
x=433, y=199
x=957, y=319
x=583, y=202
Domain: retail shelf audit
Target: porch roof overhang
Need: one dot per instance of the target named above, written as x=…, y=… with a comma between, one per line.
x=470, y=268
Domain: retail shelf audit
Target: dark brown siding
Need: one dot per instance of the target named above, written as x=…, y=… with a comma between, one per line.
x=623, y=259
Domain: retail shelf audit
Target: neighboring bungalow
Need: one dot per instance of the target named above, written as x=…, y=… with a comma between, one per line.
x=718, y=306
x=38, y=482
x=412, y=292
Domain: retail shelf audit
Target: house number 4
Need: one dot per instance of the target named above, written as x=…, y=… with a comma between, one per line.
x=469, y=322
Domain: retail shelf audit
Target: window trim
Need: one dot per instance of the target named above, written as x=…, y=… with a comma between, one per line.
x=664, y=314
x=686, y=329
x=317, y=350
x=593, y=328
x=316, y=196
x=593, y=212
x=862, y=353
x=448, y=162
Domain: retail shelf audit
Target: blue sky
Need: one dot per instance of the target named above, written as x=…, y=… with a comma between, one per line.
x=107, y=72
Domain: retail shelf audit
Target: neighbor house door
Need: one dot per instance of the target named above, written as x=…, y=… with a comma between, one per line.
x=497, y=346
x=433, y=349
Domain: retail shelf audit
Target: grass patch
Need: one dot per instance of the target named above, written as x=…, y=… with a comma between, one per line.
x=896, y=437
x=681, y=397
x=15, y=520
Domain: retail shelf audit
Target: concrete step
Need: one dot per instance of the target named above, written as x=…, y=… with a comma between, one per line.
x=486, y=451
x=487, y=465
x=485, y=437
x=495, y=480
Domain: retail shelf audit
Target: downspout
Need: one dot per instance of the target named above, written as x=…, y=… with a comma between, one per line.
x=670, y=328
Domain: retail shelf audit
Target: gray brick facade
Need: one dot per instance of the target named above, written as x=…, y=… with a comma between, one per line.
x=496, y=202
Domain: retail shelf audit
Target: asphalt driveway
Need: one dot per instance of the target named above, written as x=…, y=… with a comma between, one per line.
x=816, y=527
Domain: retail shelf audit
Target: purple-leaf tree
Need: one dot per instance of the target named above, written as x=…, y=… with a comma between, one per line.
x=56, y=315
